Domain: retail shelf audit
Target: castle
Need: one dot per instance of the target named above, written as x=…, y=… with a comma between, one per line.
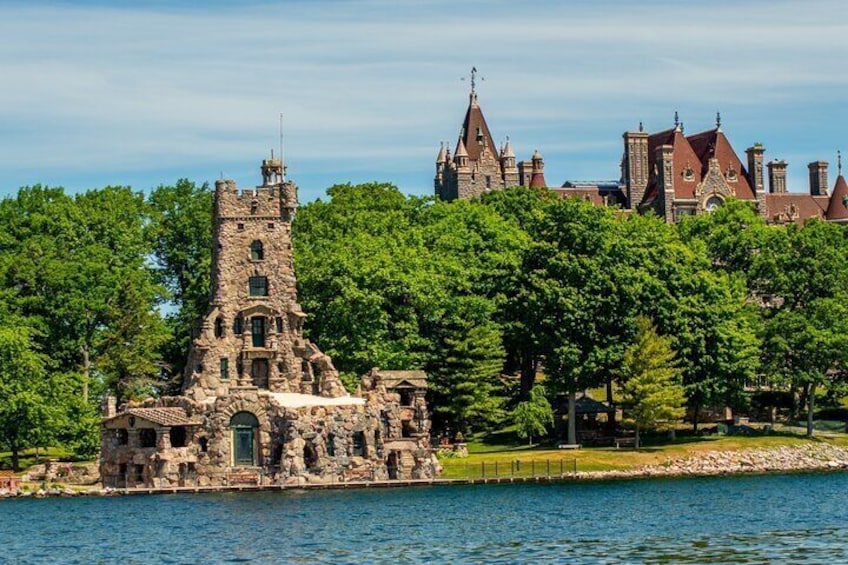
x=261, y=404
x=668, y=172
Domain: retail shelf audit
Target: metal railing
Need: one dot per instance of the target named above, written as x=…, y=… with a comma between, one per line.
x=542, y=468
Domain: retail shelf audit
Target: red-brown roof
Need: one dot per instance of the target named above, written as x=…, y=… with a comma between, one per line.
x=795, y=206
x=538, y=180
x=165, y=416
x=713, y=143
x=838, y=207
x=473, y=121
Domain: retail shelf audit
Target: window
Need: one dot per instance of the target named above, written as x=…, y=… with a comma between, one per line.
x=138, y=473
x=225, y=369
x=204, y=444
x=219, y=327
x=257, y=253
x=198, y=368
x=147, y=437
x=279, y=321
x=240, y=226
x=237, y=325
x=257, y=329
x=178, y=436
x=123, y=437
x=359, y=444
x=407, y=397
x=310, y=458
x=331, y=445
x=258, y=286
x=270, y=225
x=259, y=372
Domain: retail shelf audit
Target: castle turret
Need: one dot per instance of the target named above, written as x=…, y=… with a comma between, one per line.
x=537, y=180
x=508, y=165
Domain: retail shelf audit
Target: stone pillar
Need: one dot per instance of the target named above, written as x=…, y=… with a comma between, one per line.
x=163, y=438
x=132, y=438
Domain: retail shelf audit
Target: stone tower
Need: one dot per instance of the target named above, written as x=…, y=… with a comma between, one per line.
x=252, y=336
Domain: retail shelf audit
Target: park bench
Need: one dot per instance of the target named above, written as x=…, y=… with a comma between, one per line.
x=626, y=441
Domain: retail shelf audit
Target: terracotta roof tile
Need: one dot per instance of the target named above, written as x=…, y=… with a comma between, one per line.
x=473, y=121
x=838, y=208
x=795, y=206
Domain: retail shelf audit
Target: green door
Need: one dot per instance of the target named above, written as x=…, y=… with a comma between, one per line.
x=243, y=446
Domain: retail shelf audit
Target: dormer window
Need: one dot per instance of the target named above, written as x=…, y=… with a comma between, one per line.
x=731, y=174
x=257, y=252
x=688, y=173
x=254, y=206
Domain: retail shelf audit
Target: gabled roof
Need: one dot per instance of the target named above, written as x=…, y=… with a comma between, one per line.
x=473, y=122
x=164, y=416
x=837, y=209
x=393, y=379
x=781, y=206
x=713, y=143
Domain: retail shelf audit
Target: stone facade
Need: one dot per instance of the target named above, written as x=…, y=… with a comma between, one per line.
x=261, y=403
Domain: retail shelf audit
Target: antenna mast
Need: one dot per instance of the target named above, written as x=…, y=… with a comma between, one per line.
x=282, y=158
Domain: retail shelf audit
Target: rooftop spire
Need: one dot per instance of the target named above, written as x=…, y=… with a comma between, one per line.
x=718, y=121
x=676, y=121
x=839, y=161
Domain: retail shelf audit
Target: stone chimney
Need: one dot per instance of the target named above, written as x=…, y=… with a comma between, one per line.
x=755, y=167
x=665, y=179
x=777, y=176
x=108, y=407
x=635, y=170
x=818, y=178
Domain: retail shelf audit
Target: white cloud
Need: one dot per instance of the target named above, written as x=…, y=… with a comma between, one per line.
x=98, y=92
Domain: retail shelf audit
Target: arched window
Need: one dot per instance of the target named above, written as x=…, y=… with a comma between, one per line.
x=712, y=203
x=219, y=327
x=257, y=253
x=244, y=426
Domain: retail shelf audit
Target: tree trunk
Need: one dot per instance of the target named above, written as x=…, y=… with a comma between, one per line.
x=638, y=443
x=86, y=372
x=529, y=440
x=572, y=418
x=16, y=464
x=528, y=376
x=611, y=404
x=811, y=401
x=696, y=409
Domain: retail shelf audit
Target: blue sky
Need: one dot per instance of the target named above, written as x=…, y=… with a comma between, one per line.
x=144, y=93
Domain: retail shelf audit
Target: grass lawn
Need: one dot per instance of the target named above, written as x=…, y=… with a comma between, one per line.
x=535, y=459
x=28, y=457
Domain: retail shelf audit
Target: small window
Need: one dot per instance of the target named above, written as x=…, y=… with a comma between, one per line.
x=270, y=225
x=406, y=429
x=198, y=368
x=147, y=437
x=254, y=206
x=138, y=473
x=359, y=444
x=257, y=330
x=225, y=369
x=280, y=368
x=279, y=322
x=204, y=444
x=178, y=436
x=258, y=286
x=331, y=445
x=237, y=325
x=257, y=253
x=240, y=226
x=259, y=372
x=123, y=437
x=219, y=327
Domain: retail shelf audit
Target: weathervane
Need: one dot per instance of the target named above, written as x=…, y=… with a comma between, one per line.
x=718, y=120
x=839, y=161
x=474, y=80
x=676, y=119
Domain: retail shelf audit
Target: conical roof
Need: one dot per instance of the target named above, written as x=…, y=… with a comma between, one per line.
x=837, y=208
x=507, y=150
x=442, y=156
x=461, y=151
x=475, y=132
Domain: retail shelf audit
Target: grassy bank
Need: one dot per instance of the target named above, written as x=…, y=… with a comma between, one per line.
x=504, y=460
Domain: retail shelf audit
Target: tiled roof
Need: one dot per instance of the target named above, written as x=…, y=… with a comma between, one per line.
x=713, y=143
x=803, y=205
x=538, y=180
x=473, y=120
x=394, y=378
x=164, y=416
x=838, y=207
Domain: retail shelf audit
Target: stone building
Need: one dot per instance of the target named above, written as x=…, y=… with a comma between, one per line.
x=477, y=165
x=667, y=172
x=260, y=402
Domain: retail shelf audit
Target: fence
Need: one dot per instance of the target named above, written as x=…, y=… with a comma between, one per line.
x=548, y=468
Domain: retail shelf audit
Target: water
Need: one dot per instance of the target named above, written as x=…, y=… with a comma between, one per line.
x=765, y=519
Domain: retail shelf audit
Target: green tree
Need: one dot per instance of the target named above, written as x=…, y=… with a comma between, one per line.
x=533, y=416
x=26, y=414
x=652, y=391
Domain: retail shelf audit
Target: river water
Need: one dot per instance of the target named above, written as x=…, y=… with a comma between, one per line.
x=763, y=519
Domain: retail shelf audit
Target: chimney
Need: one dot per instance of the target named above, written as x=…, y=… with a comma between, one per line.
x=108, y=406
x=635, y=167
x=818, y=178
x=665, y=178
x=777, y=176
x=755, y=167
